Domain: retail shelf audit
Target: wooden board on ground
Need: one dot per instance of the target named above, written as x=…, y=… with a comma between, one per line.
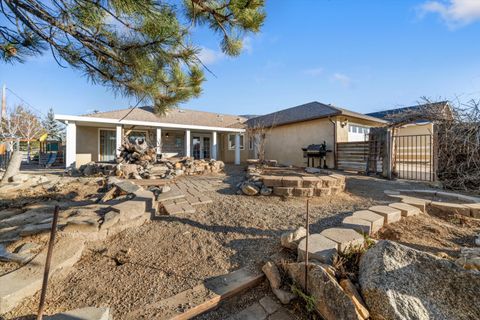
x=204, y=297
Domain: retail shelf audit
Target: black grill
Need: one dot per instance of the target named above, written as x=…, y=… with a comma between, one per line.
x=316, y=151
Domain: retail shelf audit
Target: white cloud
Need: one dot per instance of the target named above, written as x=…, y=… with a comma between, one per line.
x=209, y=56
x=343, y=79
x=454, y=12
x=314, y=72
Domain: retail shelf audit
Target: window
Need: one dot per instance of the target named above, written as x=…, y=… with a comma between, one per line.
x=251, y=143
x=231, y=141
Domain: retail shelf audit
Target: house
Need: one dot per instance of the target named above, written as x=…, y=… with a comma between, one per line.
x=416, y=126
x=97, y=137
x=288, y=130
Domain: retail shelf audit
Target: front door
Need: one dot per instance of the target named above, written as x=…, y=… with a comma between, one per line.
x=201, y=146
x=107, y=145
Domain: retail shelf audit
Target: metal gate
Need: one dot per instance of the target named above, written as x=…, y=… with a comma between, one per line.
x=413, y=157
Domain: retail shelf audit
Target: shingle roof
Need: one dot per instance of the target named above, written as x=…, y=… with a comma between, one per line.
x=308, y=111
x=177, y=116
x=386, y=114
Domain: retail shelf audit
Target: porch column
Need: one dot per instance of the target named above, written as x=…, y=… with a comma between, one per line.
x=118, y=140
x=214, y=145
x=187, y=143
x=159, y=140
x=237, y=148
x=71, y=147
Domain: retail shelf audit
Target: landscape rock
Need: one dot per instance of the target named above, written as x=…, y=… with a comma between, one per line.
x=331, y=302
x=477, y=240
x=265, y=191
x=469, y=258
x=272, y=274
x=398, y=282
x=357, y=300
x=291, y=239
x=284, y=296
x=250, y=189
x=312, y=170
x=27, y=247
x=87, y=313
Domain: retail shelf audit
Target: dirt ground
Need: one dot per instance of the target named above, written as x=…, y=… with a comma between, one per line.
x=165, y=256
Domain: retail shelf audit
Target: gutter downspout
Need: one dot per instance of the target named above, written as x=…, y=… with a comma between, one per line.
x=334, y=141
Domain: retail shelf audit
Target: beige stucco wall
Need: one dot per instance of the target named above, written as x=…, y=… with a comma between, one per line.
x=284, y=142
x=87, y=145
x=228, y=156
x=416, y=129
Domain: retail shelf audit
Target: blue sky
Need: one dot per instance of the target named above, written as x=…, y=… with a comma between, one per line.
x=364, y=55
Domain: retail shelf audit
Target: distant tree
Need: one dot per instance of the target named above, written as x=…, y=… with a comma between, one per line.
x=53, y=128
x=139, y=48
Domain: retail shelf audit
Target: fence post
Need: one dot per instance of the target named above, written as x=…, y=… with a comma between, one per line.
x=387, y=163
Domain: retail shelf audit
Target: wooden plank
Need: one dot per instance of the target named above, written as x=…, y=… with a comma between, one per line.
x=203, y=297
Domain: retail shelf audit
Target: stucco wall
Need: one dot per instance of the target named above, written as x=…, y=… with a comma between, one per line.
x=284, y=143
x=87, y=145
x=416, y=129
x=228, y=156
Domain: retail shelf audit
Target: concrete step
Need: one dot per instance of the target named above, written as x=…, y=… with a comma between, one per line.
x=390, y=214
x=319, y=248
x=406, y=209
x=377, y=221
x=357, y=224
x=344, y=238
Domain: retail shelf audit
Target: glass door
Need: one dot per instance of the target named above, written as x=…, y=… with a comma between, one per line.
x=107, y=145
x=206, y=147
x=196, y=147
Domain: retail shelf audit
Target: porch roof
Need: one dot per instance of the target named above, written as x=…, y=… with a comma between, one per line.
x=92, y=120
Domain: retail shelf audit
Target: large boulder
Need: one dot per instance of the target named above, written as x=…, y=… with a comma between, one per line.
x=398, y=282
x=331, y=301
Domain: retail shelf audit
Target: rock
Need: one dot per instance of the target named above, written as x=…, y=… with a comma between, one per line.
x=127, y=186
x=357, y=300
x=345, y=238
x=331, y=302
x=269, y=305
x=165, y=189
x=469, y=258
x=398, y=282
x=312, y=170
x=291, y=239
x=273, y=275
x=6, y=256
x=250, y=189
x=265, y=191
x=477, y=240
x=284, y=296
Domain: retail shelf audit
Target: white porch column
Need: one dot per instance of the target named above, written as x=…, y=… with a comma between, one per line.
x=214, y=145
x=237, y=148
x=159, y=140
x=118, y=140
x=187, y=143
x=71, y=147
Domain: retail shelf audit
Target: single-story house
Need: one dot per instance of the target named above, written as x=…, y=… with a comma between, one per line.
x=203, y=135
x=288, y=130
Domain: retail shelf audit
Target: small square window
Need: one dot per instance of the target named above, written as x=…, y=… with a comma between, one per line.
x=231, y=141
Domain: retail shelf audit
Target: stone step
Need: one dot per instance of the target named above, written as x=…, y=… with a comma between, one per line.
x=416, y=202
x=390, y=214
x=319, y=248
x=377, y=221
x=357, y=224
x=406, y=209
x=344, y=238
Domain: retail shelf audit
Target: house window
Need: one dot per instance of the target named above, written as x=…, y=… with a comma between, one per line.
x=231, y=141
x=251, y=143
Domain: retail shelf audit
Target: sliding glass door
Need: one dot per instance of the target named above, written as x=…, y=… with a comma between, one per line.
x=107, y=145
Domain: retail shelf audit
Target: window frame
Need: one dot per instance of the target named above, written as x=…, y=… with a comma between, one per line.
x=232, y=146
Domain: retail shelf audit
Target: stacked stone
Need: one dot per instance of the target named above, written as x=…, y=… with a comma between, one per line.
x=305, y=186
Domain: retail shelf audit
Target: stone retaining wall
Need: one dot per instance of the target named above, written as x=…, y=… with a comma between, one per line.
x=305, y=186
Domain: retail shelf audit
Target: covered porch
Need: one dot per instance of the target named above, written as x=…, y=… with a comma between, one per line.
x=99, y=140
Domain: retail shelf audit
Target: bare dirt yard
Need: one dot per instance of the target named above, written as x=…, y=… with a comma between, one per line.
x=143, y=265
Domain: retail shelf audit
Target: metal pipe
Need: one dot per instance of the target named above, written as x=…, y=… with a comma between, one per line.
x=306, y=249
x=47, y=264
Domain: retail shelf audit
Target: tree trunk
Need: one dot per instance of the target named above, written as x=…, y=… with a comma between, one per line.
x=28, y=151
x=13, y=166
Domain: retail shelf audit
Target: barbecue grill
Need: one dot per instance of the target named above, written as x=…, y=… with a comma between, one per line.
x=316, y=151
